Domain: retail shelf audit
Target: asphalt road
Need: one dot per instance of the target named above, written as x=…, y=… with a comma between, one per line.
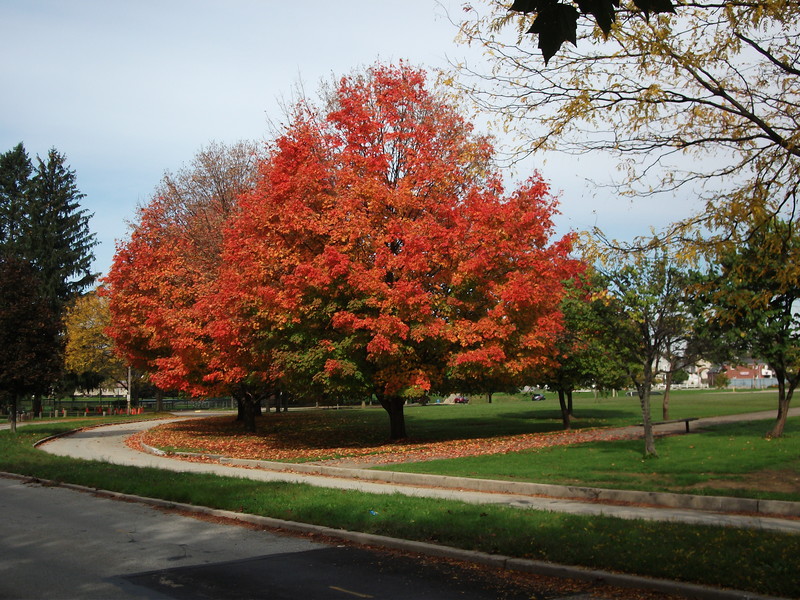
x=58, y=543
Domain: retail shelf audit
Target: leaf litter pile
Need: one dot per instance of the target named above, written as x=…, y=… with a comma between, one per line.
x=317, y=437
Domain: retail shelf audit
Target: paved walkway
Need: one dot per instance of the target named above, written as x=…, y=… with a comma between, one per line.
x=108, y=444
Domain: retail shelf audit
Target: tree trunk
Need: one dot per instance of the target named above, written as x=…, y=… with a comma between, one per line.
x=668, y=387
x=37, y=405
x=249, y=416
x=249, y=406
x=784, y=398
x=239, y=408
x=569, y=403
x=649, y=438
x=564, y=409
x=12, y=414
x=397, y=420
x=780, y=422
x=159, y=400
x=489, y=397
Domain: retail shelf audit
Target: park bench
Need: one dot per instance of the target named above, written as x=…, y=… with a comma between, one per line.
x=685, y=421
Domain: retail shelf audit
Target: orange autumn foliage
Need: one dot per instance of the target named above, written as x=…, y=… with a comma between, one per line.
x=379, y=253
x=376, y=253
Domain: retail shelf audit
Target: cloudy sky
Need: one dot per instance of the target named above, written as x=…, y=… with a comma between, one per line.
x=128, y=89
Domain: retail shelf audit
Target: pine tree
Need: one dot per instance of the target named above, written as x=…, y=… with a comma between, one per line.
x=59, y=242
x=15, y=175
x=41, y=221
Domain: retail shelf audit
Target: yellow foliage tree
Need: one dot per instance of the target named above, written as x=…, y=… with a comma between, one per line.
x=89, y=350
x=703, y=99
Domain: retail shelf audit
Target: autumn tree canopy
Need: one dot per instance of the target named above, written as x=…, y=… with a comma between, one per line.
x=703, y=100
x=89, y=354
x=380, y=255
x=162, y=276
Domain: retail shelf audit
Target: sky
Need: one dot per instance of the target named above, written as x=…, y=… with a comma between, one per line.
x=130, y=89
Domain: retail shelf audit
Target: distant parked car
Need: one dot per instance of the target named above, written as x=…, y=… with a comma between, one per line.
x=537, y=397
x=461, y=400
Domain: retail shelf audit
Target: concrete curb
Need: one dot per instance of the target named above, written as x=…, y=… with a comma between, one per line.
x=492, y=560
x=720, y=504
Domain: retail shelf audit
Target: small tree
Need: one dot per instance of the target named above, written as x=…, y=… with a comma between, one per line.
x=647, y=291
x=721, y=381
x=751, y=299
x=583, y=356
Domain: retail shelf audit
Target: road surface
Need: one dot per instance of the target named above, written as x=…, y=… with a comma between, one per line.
x=57, y=543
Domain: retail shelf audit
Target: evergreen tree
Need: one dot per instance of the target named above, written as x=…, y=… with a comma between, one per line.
x=15, y=176
x=58, y=241
x=44, y=232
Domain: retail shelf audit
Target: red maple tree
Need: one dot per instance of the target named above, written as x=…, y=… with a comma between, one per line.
x=163, y=282
x=379, y=253
x=153, y=286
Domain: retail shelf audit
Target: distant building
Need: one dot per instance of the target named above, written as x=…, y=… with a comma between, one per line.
x=754, y=375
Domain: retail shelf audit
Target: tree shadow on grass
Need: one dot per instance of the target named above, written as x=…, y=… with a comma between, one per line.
x=319, y=435
x=582, y=414
x=321, y=438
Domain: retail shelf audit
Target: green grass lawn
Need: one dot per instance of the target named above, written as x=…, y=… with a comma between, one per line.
x=699, y=554
x=508, y=415
x=733, y=459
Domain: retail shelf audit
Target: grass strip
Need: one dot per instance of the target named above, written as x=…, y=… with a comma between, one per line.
x=763, y=562
x=734, y=459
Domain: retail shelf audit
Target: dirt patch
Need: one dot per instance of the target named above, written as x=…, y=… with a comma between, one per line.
x=785, y=481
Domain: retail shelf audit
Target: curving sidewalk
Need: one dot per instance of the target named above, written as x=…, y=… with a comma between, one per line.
x=107, y=444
